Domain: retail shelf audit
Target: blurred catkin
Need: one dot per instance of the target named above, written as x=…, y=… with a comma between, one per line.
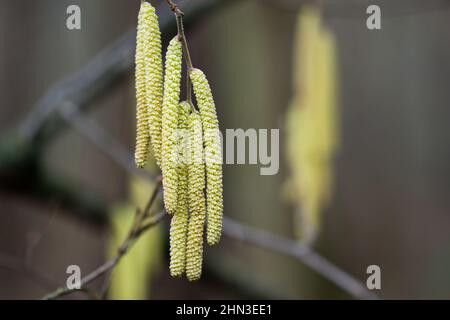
x=171, y=98
x=311, y=122
x=213, y=155
x=197, y=207
x=179, y=223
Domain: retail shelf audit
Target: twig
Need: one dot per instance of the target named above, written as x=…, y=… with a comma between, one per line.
x=106, y=284
x=146, y=212
x=108, y=265
x=135, y=232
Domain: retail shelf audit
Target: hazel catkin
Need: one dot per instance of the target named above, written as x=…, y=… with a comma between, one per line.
x=213, y=155
x=179, y=222
x=154, y=81
x=143, y=42
x=171, y=97
x=196, y=199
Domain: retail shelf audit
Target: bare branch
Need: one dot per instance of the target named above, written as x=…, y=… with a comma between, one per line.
x=138, y=227
x=109, y=265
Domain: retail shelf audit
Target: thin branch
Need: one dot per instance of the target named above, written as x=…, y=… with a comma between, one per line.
x=174, y=7
x=106, y=284
x=146, y=212
x=110, y=264
x=137, y=229
x=182, y=35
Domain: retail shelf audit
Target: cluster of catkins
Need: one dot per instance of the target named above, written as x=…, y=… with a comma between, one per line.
x=186, y=145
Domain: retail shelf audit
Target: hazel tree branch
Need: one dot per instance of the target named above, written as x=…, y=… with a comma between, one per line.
x=143, y=221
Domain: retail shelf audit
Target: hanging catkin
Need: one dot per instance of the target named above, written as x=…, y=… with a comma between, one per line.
x=154, y=81
x=197, y=207
x=179, y=223
x=171, y=97
x=146, y=22
x=213, y=155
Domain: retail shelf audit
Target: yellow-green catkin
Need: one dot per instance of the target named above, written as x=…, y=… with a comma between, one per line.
x=172, y=79
x=311, y=123
x=154, y=79
x=143, y=38
x=213, y=155
x=196, y=199
x=179, y=222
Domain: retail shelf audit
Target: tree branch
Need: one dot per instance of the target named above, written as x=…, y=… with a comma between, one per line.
x=137, y=229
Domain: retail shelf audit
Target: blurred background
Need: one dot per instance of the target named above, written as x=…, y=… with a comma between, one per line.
x=387, y=200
